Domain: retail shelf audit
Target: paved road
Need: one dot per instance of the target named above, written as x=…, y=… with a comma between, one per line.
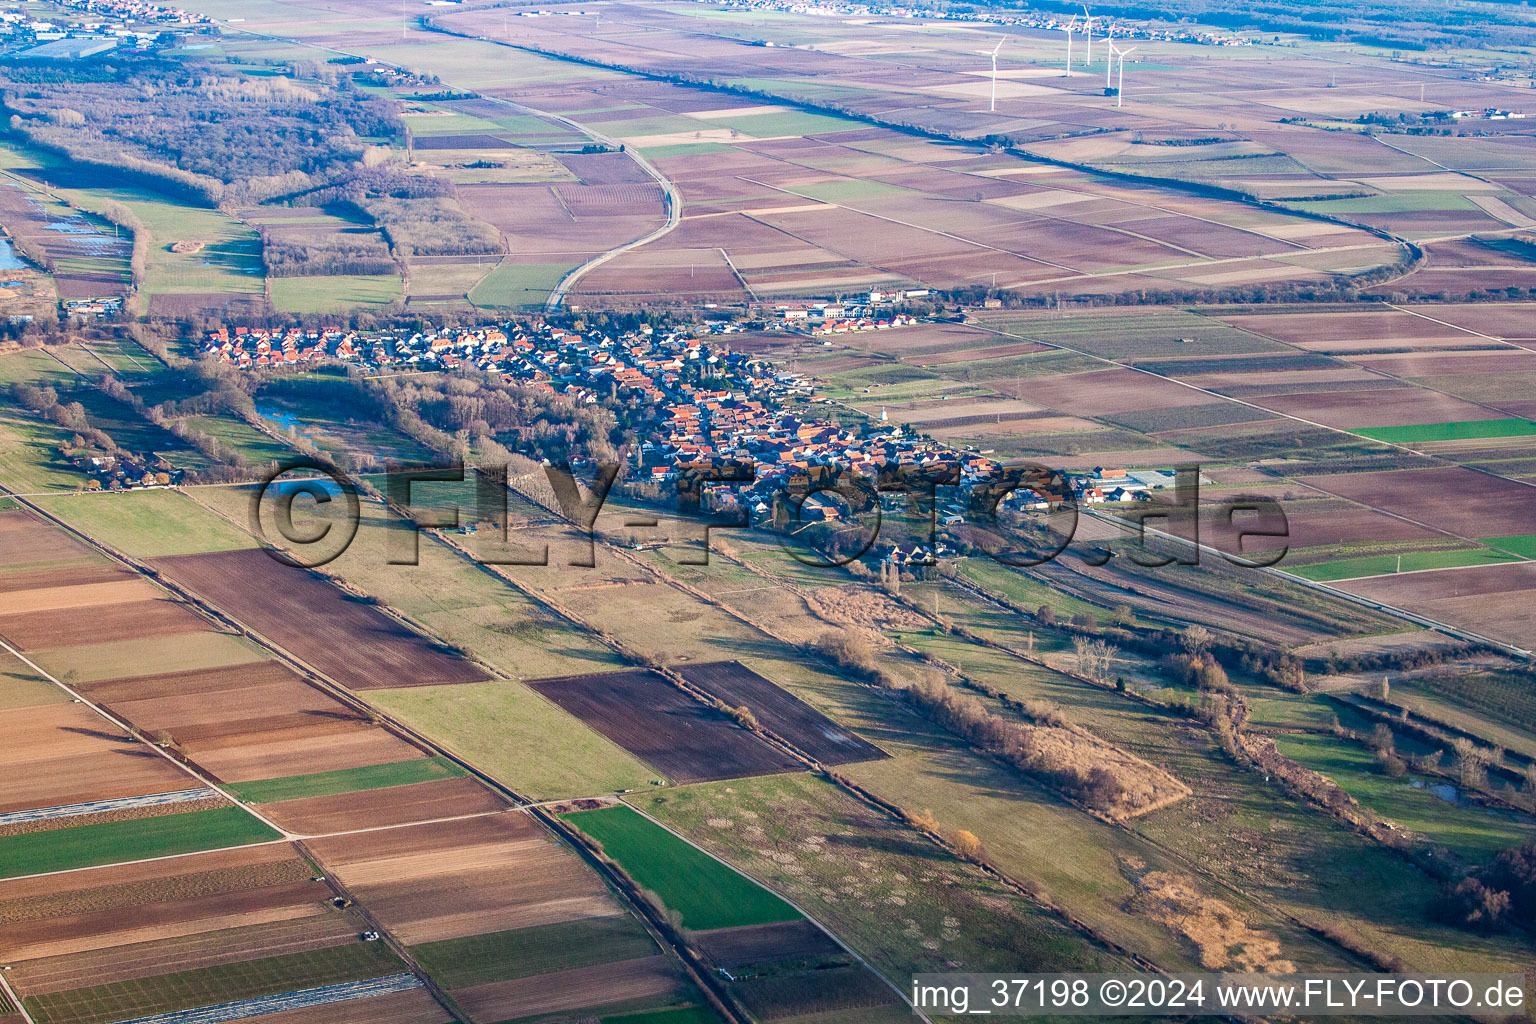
x=674, y=201
x=674, y=198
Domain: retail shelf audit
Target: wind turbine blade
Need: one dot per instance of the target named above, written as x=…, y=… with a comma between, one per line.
x=999, y=45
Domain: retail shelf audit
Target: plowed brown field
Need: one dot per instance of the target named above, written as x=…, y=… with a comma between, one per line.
x=397, y=805
x=58, y=754
x=450, y=879
x=565, y=991
x=678, y=736
x=352, y=642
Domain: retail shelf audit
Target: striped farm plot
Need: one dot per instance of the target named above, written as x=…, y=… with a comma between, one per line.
x=324, y=995
x=92, y=807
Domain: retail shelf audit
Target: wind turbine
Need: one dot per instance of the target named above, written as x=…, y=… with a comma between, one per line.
x=1109, y=61
x=999, y=46
x=1088, y=37
x=1071, y=27
x=1120, y=84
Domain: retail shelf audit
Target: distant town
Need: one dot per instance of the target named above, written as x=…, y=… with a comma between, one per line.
x=1123, y=28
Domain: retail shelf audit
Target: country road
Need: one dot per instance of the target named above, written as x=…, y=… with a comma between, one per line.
x=674, y=199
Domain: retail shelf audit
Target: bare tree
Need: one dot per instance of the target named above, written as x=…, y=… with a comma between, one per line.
x=1471, y=762
x=1081, y=650
x=1093, y=656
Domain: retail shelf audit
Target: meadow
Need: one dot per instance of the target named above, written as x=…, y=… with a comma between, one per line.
x=335, y=294
x=117, y=841
x=347, y=780
x=1461, y=431
x=147, y=523
x=701, y=890
x=1379, y=565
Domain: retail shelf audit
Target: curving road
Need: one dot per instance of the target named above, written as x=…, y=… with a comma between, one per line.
x=674, y=198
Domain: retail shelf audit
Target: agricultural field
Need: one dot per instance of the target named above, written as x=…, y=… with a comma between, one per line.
x=507, y=729
x=467, y=896
x=668, y=730
x=312, y=764
x=81, y=790
x=781, y=712
x=146, y=524
x=788, y=201
x=795, y=968
x=957, y=914
x=192, y=931
x=354, y=643
x=1282, y=726
x=335, y=294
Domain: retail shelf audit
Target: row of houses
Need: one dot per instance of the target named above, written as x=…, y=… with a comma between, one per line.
x=105, y=471
x=136, y=11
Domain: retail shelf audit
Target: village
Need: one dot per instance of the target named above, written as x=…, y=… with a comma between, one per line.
x=704, y=405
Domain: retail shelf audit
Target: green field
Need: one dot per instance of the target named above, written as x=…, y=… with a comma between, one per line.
x=1393, y=202
x=525, y=952
x=29, y=448
x=517, y=285
x=334, y=294
x=228, y=263
x=147, y=524
x=113, y=842
x=996, y=578
x=1381, y=565
x=703, y=891
x=346, y=780
x=211, y=986
x=866, y=194
x=123, y=357
x=1464, y=431
x=790, y=122
x=29, y=451
x=239, y=436
x=516, y=737
x=685, y=149
x=1523, y=545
